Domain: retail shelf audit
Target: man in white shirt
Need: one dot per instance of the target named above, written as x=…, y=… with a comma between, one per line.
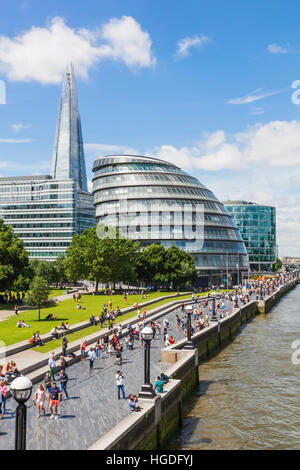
x=120, y=384
x=51, y=363
x=91, y=356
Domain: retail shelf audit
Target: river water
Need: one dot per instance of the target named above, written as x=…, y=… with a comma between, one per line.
x=249, y=393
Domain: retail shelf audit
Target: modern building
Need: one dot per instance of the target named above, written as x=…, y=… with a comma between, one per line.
x=45, y=211
x=257, y=225
x=154, y=201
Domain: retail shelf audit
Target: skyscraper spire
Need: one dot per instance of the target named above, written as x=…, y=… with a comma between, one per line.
x=68, y=155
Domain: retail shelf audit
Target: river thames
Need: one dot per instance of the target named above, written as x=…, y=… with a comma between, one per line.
x=249, y=393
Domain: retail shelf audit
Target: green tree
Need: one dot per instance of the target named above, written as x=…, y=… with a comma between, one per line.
x=150, y=264
x=15, y=271
x=38, y=293
x=103, y=259
x=277, y=265
x=59, y=270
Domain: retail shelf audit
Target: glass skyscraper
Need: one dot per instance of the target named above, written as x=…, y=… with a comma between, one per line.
x=45, y=211
x=257, y=225
x=154, y=201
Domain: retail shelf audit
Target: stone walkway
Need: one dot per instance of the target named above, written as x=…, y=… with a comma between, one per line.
x=93, y=407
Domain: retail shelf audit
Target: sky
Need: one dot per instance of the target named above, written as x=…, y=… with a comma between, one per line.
x=211, y=86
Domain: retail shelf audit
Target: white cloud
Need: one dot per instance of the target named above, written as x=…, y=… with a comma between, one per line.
x=42, y=53
x=257, y=111
x=275, y=144
x=127, y=42
x=254, y=96
x=105, y=149
x=184, y=45
x=276, y=49
x=16, y=141
x=17, y=127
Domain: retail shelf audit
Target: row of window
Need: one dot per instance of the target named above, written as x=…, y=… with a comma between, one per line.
x=46, y=244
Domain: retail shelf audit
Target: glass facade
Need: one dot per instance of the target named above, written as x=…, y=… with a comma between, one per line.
x=45, y=213
x=154, y=201
x=257, y=225
x=68, y=155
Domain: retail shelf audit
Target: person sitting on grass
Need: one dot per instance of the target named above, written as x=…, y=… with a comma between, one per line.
x=50, y=317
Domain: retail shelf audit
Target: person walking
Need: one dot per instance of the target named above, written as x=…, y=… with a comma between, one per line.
x=47, y=382
x=120, y=384
x=83, y=346
x=39, y=398
x=17, y=310
x=51, y=363
x=54, y=399
x=105, y=343
x=63, y=379
x=91, y=356
x=3, y=391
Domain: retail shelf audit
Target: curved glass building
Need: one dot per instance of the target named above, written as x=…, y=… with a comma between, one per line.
x=154, y=201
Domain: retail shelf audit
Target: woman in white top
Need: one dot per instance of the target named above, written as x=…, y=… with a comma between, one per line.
x=39, y=397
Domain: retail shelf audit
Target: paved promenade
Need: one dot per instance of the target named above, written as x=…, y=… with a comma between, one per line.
x=93, y=407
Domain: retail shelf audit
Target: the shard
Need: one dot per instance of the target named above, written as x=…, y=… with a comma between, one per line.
x=68, y=156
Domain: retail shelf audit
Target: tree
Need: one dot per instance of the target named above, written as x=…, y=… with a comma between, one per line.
x=38, y=293
x=179, y=267
x=103, y=259
x=278, y=264
x=150, y=264
x=59, y=270
x=15, y=271
x=44, y=269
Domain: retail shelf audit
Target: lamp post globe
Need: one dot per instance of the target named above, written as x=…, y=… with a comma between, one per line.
x=147, y=389
x=189, y=344
x=21, y=389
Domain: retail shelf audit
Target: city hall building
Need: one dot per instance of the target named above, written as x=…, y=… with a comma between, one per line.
x=154, y=201
x=257, y=225
x=45, y=211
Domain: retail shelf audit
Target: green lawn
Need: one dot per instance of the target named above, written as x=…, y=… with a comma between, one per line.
x=64, y=311
x=51, y=345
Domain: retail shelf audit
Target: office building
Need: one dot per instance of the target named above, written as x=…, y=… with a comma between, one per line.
x=154, y=201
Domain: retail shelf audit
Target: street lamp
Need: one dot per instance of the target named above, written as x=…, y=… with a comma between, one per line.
x=21, y=389
x=189, y=343
x=261, y=293
x=236, y=304
x=214, y=313
x=147, y=389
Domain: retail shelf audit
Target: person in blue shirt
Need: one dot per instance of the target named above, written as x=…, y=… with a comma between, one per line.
x=159, y=385
x=54, y=398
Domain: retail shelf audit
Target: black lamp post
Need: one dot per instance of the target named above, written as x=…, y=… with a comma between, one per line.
x=189, y=343
x=214, y=313
x=236, y=304
x=21, y=389
x=261, y=293
x=147, y=389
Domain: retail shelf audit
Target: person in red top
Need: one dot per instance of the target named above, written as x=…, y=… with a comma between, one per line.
x=83, y=346
x=171, y=340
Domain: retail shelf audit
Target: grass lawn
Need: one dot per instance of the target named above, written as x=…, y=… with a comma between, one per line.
x=55, y=291
x=51, y=345
x=64, y=311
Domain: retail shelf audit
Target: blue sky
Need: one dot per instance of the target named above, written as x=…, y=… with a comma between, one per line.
x=205, y=84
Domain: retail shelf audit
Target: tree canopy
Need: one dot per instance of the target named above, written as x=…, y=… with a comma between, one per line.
x=15, y=270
